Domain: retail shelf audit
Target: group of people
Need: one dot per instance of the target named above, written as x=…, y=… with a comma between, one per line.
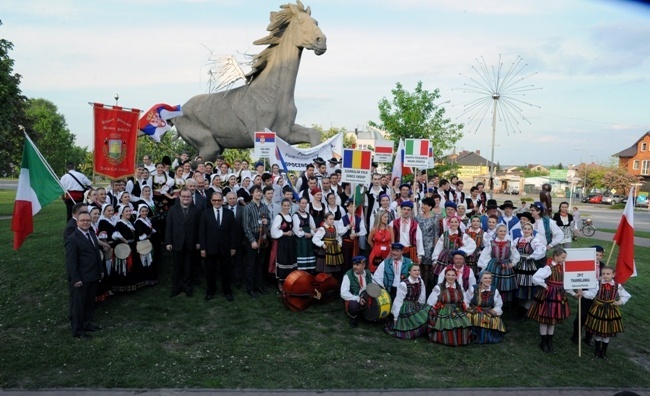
x=451, y=262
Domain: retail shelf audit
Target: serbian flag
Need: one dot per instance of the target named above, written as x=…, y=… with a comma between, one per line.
x=265, y=137
x=154, y=122
x=357, y=159
x=624, y=238
x=37, y=187
x=398, y=169
x=417, y=147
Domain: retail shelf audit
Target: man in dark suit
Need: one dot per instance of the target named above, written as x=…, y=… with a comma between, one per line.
x=200, y=192
x=181, y=239
x=217, y=245
x=201, y=203
x=84, y=266
x=237, y=261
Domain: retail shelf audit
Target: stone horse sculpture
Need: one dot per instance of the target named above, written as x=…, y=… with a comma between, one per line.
x=228, y=119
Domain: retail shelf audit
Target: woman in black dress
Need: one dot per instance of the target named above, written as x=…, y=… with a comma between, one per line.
x=285, y=243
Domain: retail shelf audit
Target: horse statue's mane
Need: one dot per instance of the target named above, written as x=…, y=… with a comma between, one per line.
x=279, y=22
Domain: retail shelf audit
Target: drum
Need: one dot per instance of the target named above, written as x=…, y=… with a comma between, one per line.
x=377, y=307
x=122, y=251
x=144, y=247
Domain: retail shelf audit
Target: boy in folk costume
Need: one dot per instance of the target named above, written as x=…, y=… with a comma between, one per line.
x=392, y=270
x=353, y=289
x=465, y=275
x=508, y=218
x=407, y=232
x=604, y=319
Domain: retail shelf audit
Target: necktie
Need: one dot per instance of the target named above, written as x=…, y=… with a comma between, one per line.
x=396, y=264
x=185, y=212
x=144, y=182
x=361, y=281
x=90, y=239
x=203, y=193
x=218, y=217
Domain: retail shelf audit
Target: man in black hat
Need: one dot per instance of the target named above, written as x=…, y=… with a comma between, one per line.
x=321, y=168
x=353, y=289
x=507, y=217
x=333, y=165
x=393, y=269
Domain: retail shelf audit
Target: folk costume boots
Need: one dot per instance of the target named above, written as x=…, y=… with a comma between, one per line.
x=598, y=349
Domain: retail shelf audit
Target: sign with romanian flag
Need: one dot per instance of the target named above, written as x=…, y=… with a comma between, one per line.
x=264, y=144
x=356, y=166
x=383, y=151
x=580, y=269
x=416, y=153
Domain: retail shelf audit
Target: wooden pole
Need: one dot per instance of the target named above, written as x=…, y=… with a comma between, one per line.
x=611, y=250
x=579, y=326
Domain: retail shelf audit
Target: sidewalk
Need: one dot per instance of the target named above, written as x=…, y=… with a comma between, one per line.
x=609, y=237
x=390, y=392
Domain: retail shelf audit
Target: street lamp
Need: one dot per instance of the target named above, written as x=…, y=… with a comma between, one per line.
x=584, y=184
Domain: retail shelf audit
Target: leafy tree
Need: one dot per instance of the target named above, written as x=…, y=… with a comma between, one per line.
x=51, y=134
x=559, y=166
x=12, y=111
x=415, y=115
x=170, y=145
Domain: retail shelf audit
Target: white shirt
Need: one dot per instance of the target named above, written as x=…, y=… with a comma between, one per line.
x=405, y=238
x=345, y=287
x=71, y=184
x=401, y=294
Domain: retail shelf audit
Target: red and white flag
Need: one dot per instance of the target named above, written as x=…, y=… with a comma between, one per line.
x=399, y=169
x=624, y=238
x=37, y=187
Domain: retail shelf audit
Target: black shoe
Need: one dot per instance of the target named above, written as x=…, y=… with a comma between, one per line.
x=549, y=343
x=353, y=322
x=83, y=336
x=597, y=349
x=209, y=297
x=229, y=297
x=589, y=339
x=93, y=327
x=252, y=294
x=603, y=351
x=261, y=291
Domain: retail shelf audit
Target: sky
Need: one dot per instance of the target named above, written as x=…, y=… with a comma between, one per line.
x=588, y=62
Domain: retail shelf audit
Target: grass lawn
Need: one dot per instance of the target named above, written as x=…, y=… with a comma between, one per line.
x=7, y=198
x=150, y=340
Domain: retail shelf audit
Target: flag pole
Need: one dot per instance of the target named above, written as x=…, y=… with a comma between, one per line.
x=47, y=165
x=610, y=252
x=579, y=326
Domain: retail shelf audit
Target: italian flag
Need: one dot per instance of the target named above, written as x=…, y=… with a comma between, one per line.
x=417, y=147
x=37, y=187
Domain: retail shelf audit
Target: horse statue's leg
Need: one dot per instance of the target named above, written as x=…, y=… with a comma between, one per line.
x=198, y=137
x=300, y=134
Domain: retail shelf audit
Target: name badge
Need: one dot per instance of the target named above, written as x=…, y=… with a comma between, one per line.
x=259, y=221
x=383, y=248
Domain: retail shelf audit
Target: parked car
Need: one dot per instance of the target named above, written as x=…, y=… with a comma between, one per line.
x=611, y=199
x=642, y=201
x=586, y=198
x=596, y=199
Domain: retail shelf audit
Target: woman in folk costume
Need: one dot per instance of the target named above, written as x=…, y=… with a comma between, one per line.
x=531, y=249
x=316, y=207
x=157, y=221
x=304, y=228
x=162, y=186
x=450, y=240
x=333, y=208
x=604, y=318
x=105, y=228
x=231, y=185
x=355, y=228
x=103, y=288
x=144, y=230
x=125, y=200
x=564, y=220
x=126, y=271
x=551, y=234
x=461, y=213
x=284, y=243
x=429, y=226
x=550, y=305
x=179, y=181
x=500, y=258
x=329, y=257
x=485, y=312
x=447, y=321
x=409, y=309
x=243, y=194
x=380, y=238
x=475, y=231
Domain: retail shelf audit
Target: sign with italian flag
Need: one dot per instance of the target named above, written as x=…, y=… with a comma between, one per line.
x=383, y=151
x=37, y=187
x=416, y=153
x=580, y=269
x=356, y=165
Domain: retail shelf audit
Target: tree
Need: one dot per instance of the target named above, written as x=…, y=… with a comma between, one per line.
x=559, y=166
x=415, y=115
x=51, y=135
x=12, y=111
x=170, y=145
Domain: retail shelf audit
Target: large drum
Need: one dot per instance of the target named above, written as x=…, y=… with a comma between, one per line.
x=378, y=305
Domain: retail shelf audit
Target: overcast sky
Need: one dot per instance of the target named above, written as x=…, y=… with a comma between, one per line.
x=590, y=59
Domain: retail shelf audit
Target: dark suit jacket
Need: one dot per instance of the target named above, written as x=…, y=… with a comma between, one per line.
x=238, y=230
x=214, y=238
x=182, y=232
x=200, y=201
x=82, y=258
x=70, y=226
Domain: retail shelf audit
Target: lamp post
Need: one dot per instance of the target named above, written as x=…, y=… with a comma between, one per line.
x=584, y=183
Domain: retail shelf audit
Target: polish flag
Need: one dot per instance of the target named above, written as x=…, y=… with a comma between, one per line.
x=624, y=238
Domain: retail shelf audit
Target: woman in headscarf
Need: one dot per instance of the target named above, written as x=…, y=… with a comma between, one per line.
x=284, y=243
x=126, y=270
x=144, y=230
x=304, y=228
x=243, y=194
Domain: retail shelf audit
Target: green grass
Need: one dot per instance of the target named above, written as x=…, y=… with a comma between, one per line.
x=7, y=198
x=637, y=233
x=153, y=341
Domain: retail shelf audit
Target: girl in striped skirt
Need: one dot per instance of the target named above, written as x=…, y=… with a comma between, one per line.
x=500, y=257
x=448, y=323
x=485, y=312
x=550, y=305
x=604, y=318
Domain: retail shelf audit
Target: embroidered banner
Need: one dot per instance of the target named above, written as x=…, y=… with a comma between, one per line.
x=116, y=131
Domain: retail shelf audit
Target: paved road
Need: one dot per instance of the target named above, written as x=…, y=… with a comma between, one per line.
x=8, y=184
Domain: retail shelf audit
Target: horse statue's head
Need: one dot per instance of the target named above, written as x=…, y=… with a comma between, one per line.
x=292, y=24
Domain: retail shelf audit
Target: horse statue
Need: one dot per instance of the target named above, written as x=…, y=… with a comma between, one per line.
x=229, y=119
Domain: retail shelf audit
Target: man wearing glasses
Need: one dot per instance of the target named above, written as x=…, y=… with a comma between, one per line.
x=181, y=239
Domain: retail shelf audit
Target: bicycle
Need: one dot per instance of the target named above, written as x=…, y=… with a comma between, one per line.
x=587, y=228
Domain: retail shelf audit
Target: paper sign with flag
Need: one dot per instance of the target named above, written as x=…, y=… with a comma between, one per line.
x=580, y=269
x=37, y=187
x=264, y=144
x=355, y=167
x=416, y=153
x=154, y=122
x=383, y=151
x=431, y=162
x=624, y=238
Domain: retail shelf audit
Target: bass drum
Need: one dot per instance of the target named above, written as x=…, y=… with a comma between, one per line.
x=378, y=307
